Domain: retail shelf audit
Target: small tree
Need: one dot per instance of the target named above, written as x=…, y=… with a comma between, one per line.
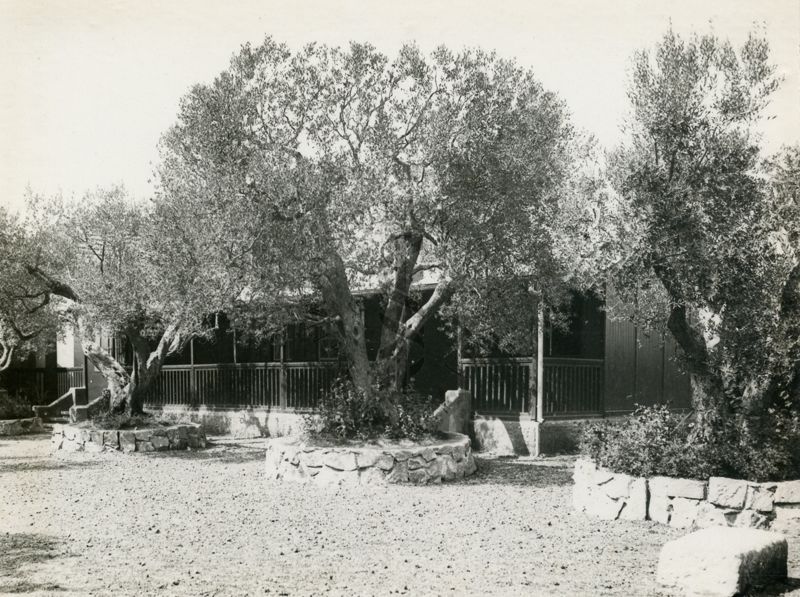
x=117, y=269
x=708, y=234
x=369, y=172
x=26, y=317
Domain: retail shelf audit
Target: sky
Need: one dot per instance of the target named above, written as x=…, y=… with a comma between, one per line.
x=89, y=86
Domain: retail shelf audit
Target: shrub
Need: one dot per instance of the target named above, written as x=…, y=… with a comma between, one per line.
x=654, y=441
x=109, y=420
x=15, y=407
x=346, y=412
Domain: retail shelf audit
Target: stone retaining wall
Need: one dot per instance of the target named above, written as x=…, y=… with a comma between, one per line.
x=292, y=459
x=686, y=503
x=70, y=438
x=10, y=427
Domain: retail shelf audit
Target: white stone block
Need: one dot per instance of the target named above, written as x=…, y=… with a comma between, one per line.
x=659, y=508
x=709, y=515
x=618, y=486
x=759, y=497
x=787, y=520
x=672, y=487
x=728, y=493
x=787, y=492
x=684, y=513
x=636, y=503
x=722, y=561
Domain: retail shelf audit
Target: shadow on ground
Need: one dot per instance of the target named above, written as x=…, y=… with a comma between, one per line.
x=224, y=451
x=15, y=465
x=19, y=550
x=791, y=586
x=522, y=472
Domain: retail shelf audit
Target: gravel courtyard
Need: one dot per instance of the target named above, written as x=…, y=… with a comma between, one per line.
x=208, y=523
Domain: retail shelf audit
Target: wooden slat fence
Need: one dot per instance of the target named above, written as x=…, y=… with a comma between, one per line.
x=291, y=385
x=502, y=385
x=69, y=378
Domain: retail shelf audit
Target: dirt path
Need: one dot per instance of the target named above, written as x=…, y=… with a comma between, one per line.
x=208, y=523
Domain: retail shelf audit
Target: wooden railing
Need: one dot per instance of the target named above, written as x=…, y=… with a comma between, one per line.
x=502, y=385
x=288, y=385
x=71, y=377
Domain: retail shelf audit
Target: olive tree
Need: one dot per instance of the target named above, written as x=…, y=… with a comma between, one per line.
x=713, y=227
x=365, y=171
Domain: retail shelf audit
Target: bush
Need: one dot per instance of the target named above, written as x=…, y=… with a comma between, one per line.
x=15, y=407
x=654, y=441
x=114, y=421
x=347, y=412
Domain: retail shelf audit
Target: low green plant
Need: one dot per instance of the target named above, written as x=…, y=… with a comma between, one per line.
x=15, y=407
x=655, y=441
x=346, y=412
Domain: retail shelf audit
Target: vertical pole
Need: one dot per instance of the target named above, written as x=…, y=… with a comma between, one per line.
x=233, y=328
x=192, y=378
x=460, y=355
x=540, y=362
x=283, y=385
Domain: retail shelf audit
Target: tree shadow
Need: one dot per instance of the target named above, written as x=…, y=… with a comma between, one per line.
x=225, y=451
x=14, y=466
x=519, y=472
x=19, y=550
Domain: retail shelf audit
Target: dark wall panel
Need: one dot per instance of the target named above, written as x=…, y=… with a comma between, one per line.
x=620, y=365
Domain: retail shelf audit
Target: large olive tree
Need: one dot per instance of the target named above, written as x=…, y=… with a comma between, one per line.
x=363, y=171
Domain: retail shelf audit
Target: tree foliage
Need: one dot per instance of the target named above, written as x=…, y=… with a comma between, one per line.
x=340, y=169
x=714, y=228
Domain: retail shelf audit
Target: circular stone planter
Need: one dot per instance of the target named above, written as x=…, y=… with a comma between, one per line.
x=297, y=459
x=71, y=438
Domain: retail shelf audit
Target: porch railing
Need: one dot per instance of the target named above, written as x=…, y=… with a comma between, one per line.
x=502, y=385
x=287, y=385
x=71, y=377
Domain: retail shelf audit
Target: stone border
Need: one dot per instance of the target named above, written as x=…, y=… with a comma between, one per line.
x=292, y=459
x=11, y=427
x=685, y=503
x=70, y=438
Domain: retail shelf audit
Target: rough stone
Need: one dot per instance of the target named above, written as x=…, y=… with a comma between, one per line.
x=470, y=467
x=722, y=561
x=399, y=474
x=759, y=497
x=659, y=508
x=418, y=476
x=160, y=442
x=603, y=507
x=751, y=519
x=787, y=520
x=787, y=492
x=428, y=454
x=673, y=487
x=127, y=441
x=415, y=463
x=314, y=458
x=144, y=447
x=449, y=468
x=373, y=476
x=709, y=515
x=636, y=503
x=93, y=447
x=342, y=461
x=385, y=462
x=111, y=439
x=729, y=493
x=618, y=486
x=367, y=458
x=96, y=437
x=684, y=513
x=143, y=435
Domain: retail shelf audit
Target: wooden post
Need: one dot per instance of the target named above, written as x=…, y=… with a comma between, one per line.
x=192, y=377
x=540, y=362
x=460, y=355
x=283, y=385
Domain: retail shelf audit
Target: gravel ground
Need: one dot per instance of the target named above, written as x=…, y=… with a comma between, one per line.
x=208, y=523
